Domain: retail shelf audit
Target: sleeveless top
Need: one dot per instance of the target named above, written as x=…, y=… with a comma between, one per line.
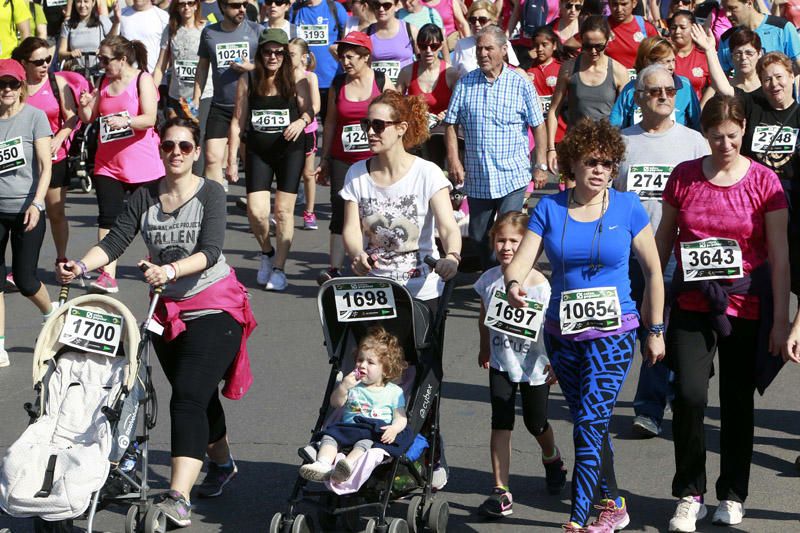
x=269, y=117
x=349, y=142
x=445, y=9
x=48, y=102
x=397, y=48
x=544, y=81
x=127, y=155
x=314, y=126
x=587, y=101
x=439, y=97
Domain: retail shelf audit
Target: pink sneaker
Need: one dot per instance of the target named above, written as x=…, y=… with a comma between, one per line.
x=10, y=285
x=572, y=527
x=612, y=518
x=309, y=220
x=104, y=284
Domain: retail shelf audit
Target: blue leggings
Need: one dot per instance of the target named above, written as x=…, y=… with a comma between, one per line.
x=591, y=374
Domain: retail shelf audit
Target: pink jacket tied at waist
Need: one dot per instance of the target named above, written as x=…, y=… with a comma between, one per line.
x=226, y=295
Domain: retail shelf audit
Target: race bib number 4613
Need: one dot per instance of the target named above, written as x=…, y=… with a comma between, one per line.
x=711, y=258
x=648, y=181
x=525, y=322
x=92, y=331
x=270, y=120
x=584, y=309
x=368, y=300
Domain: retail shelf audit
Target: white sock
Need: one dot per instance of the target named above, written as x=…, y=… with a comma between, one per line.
x=2, y=343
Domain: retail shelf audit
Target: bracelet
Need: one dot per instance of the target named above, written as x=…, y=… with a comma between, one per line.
x=456, y=255
x=82, y=266
x=510, y=283
x=657, y=329
x=177, y=270
x=551, y=149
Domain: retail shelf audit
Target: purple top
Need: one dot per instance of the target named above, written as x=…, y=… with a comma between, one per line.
x=629, y=322
x=398, y=48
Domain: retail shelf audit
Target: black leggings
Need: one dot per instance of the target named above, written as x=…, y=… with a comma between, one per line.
x=25, y=247
x=194, y=363
x=503, y=393
x=111, y=199
x=285, y=164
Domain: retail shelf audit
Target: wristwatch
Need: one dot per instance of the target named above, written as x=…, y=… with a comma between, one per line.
x=540, y=166
x=39, y=206
x=170, y=271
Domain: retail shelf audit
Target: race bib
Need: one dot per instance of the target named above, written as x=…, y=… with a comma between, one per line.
x=545, y=102
x=313, y=34
x=228, y=53
x=354, y=139
x=390, y=68
x=583, y=309
x=12, y=156
x=648, y=181
x=631, y=74
x=711, y=258
x=525, y=322
x=110, y=134
x=784, y=142
x=56, y=3
x=368, y=300
x=270, y=120
x=185, y=70
x=92, y=331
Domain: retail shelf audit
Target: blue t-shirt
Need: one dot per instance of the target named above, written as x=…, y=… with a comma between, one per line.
x=687, y=107
x=777, y=35
x=309, y=15
x=374, y=402
x=623, y=220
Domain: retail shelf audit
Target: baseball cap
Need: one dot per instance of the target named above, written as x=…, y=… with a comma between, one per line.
x=357, y=38
x=273, y=35
x=12, y=68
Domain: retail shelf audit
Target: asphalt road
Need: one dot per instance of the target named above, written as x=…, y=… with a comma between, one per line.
x=290, y=368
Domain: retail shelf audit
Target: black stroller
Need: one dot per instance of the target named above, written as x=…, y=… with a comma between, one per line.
x=347, y=306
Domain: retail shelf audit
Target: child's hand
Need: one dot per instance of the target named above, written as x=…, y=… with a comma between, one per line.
x=351, y=379
x=389, y=434
x=552, y=379
x=483, y=359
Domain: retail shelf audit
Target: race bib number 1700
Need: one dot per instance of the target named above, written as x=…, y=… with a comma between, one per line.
x=525, y=322
x=583, y=309
x=711, y=258
x=368, y=300
x=92, y=331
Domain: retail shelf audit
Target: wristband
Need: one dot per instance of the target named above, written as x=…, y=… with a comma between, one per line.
x=551, y=149
x=510, y=283
x=657, y=330
x=82, y=266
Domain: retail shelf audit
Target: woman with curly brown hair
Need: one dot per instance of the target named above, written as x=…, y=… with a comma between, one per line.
x=588, y=234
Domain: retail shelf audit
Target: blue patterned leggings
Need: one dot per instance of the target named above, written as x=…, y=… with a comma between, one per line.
x=591, y=374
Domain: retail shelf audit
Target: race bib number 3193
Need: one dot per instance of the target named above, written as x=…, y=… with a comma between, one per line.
x=92, y=331
x=368, y=300
x=711, y=258
x=584, y=309
x=525, y=322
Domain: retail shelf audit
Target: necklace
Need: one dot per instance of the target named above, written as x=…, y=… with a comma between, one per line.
x=575, y=201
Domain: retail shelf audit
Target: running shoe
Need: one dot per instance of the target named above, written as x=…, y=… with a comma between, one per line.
x=216, y=479
x=728, y=513
x=55, y=306
x=309, y=220
x=572, y=527
x=104, y=284
x=316, y=471
x=265, y=270
x=555, y=475
x=646, y=427
x=327, y=275
x=497, y=505
x=687, y=513
x=611, y=518
x=176, y=508
x=342, y=471
x=4, y=360
x=10, y=285
x=277, y=281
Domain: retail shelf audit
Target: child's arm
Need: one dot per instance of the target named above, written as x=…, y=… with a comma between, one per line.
x=398, y=424
x=484, y=350
x=339, y=394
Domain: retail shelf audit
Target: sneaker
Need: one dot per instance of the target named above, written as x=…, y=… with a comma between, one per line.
x=572, y=527
x=439, y=477
x=265, y=270
x=342, y=471
x=328, y=274
x=497, y=505
x=10, y=285
x=55, y=306
x=316, y=471
x=104, y=284
x=728, y=513
x=555, y=475
x=216, y=479
x=309, y=220
x=4, y=360
x=688, y=512
x=277, y=281
x=646, y=427
x=176, y=508
x=611, y=518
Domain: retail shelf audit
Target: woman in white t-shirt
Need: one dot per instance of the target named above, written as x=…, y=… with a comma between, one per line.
x=393, y=199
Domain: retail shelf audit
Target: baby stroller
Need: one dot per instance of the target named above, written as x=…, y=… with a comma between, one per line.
x=346, y=306
x=92, y=377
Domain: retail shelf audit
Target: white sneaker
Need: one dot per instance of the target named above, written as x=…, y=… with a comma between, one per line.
x=55, y=305
x=4, y=361
x=265, y=270
x=688, y=512
x=277, y=281
x=728, y=513
x=316, y=471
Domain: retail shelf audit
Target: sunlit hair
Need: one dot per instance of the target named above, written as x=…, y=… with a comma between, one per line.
x=773, y=58
x=652, y=50
x=412, y=110
x=721, y=109
x=387, y=349
x=178, y=122
x=484, y=5
x=517, y=220
x=134, y=52
x=175, y=19
x=311, y=65
x=586, y=138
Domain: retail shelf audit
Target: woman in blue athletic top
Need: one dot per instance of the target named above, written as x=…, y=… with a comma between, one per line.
x=588, y=235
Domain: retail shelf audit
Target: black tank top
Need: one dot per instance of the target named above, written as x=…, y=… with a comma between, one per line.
x=269, y=117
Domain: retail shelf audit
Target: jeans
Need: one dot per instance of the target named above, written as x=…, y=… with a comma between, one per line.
x=654, y=389
x=482, y=212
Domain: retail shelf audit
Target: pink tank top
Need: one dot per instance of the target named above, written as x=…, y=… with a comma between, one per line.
x=45, y=100
x=350, y=143
x=445, y=9
x=126, y=155
x=311, y=128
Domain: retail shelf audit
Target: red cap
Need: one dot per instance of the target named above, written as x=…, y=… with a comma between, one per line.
x=12, y=68
x=357, y=38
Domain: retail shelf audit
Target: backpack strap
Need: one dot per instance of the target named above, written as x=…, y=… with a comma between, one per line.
x=335, y=13
x=380, y=80
x=640, y=22
x=56, y=94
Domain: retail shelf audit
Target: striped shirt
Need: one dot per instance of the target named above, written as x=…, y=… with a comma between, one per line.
x=495, y=117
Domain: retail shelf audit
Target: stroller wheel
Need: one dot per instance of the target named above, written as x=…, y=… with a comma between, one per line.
x=86, y=184
x=132, y=520
x=155, y=521
x=275, y=525
x=438, y=515
x=301, y=524
x=413, y=514
x=326, y=520
x=372, y=525
x=397, y=525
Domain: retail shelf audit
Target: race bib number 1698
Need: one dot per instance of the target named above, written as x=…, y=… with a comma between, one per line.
x=368, y=300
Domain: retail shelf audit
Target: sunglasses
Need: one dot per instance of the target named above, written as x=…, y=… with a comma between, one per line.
x=181, y=5
x=482, y=20
x=40, y=62
x=105, y=60
x=10, y=84
x=266, y=52
x=599, y=47
x=377, y=125
x=605, y=163
x=655, y=92
x=378, y=5
x=429, y=46
x=236, y=5
x=684, y=2
x=276, y=2
x=185, y=147
x=576, y=7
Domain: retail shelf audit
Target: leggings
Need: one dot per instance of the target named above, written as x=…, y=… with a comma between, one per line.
x=25, y=248
x=111, y=199
x=363, y=444
x=284, y=162
x=503, y=393
x=591, y=374
x=194, y=363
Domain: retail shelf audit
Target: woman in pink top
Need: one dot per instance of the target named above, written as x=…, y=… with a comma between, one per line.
x=61, y=110
x=729, y=270
x=452, y=15
x=127, y=151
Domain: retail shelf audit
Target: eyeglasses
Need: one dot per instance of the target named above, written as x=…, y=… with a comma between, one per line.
x=182, y=5
x=605, y=163
x=105, y=60
x=599, y=47
x=185, y=147
x=482, y=20
x=744, y=53
x=267, y=52
x=276, y=2
x=40, y=62
x=10, y=84
x=378, y=5
x=429, y=46
x=655, y=92
x=236, y=5
x=377, y=125
x=576, y=7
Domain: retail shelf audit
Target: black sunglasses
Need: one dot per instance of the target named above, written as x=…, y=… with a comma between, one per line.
x=236, y=5
x=385, y=5
x=40, y=62
x=104, y=60
x=272, y=53
x=482, y=20
x=186, y=4
x=185, y=147
x=576, y=7
x=593, y=162
x=432, y=46
x=377, y=125
x=655, y=92
x=10, y=84
x=276, y=2
x=599, y=47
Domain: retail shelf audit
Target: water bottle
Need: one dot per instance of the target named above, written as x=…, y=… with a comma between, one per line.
x=193, y=108
x=128, y=461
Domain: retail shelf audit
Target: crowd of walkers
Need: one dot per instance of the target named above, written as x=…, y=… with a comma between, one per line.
x=663, y=136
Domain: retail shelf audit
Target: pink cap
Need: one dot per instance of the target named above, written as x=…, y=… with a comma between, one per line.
x=12, y=68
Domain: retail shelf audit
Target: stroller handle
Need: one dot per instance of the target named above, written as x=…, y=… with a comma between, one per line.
x=430, y=261
x=63, y=294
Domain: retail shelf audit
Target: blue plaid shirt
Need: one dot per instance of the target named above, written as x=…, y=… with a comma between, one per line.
x=495, y=117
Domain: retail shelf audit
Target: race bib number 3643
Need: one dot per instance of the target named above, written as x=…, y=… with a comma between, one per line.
x=711, y=258
x=92, y=331
x=368, y=300
x=584, y=309
x=525, y=322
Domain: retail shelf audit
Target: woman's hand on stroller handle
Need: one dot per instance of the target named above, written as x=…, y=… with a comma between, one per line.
x=362, y=264
x=154, y=275
x=446, y=267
